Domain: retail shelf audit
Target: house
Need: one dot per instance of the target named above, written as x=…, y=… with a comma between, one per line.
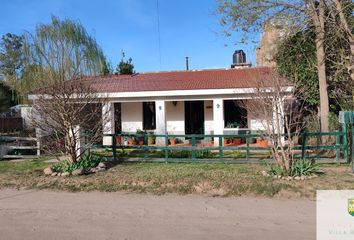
x=182, y=102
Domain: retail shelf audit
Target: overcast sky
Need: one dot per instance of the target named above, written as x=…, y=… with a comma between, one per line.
x=187, y=28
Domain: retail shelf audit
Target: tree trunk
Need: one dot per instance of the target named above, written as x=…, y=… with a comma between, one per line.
x=350, y=36
x=317, y=13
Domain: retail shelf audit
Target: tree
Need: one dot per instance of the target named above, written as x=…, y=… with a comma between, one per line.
x=296, y=59
x=57, y=55
x=61, y=51
x=249, y=16
x=125, y=67
x=11, y=61
x=11, y=56
x=106, y=68
x=343, y=15
x=6, y=97
x=64, y=114
x=280, y=113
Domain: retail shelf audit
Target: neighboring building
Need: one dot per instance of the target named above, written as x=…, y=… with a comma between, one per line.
x=270, y=37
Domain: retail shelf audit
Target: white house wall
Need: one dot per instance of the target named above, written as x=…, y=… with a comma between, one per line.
x=132, y=116
x=175, y=117
x=208, y=117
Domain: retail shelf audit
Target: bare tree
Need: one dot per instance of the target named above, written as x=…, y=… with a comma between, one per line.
x=69, y=117
x=341, y=21
x=249, y=16
x=274, y=105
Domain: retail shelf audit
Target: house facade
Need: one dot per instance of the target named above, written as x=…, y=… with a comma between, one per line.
x=181, y=102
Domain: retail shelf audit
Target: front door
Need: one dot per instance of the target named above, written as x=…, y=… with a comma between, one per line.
x=194, y=117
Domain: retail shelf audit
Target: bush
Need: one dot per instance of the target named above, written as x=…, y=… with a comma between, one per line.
x=301, y=167
x=187, y=154
x=275, y=170
x=86, y=162
x=305, y=167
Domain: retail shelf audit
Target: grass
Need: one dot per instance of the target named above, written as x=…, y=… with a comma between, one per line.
x=183, y=178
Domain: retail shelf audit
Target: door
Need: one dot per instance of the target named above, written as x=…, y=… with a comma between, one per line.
x=194, y=117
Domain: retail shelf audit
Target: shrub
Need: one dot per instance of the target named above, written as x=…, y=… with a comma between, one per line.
x=86, y=162
x=275, y=170
x=301, y=167
x=305, y=167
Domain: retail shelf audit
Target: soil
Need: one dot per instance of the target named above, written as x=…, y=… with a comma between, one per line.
x=41, y=214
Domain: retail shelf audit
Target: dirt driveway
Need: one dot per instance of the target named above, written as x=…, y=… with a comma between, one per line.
x=33, y=214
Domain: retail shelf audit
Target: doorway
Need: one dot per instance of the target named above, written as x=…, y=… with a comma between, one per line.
x=194, y=117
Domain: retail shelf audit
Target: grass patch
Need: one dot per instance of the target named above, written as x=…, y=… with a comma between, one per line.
x=215, y=179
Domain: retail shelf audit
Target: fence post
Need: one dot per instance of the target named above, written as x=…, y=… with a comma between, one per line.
x=345, y=142
x=220, y=148
x=114, y=148
x=338, y=147
x=352, y=146
x=146, y=147
x=248, y=147
x=193, y=148
x=303, y=143
x=166, y=148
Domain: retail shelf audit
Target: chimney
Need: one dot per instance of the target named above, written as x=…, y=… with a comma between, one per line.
x=187, y=64
x=239, y=60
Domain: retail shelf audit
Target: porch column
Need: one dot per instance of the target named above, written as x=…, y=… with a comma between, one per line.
x=107, y=122
x=78, y=135
x=160, y=108
x=218, y=117
x=278, y=117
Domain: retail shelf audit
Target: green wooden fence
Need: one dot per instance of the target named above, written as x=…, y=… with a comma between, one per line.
x=199, y=148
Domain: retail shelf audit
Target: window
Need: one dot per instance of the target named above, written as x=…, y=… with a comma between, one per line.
x=234, y=115
x=149, y=120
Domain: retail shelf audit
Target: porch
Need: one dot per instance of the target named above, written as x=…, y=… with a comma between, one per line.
x=180, y=117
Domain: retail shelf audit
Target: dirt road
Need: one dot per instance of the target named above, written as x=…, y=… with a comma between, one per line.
x=27, y=214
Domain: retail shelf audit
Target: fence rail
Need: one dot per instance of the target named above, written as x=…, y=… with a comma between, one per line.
x=228, y=148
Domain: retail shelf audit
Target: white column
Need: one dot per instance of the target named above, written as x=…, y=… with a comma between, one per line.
x=218, y=117
x=278, y=117
x=38, y=137
x=107, y=122
x=80, y=140
x=160, y=109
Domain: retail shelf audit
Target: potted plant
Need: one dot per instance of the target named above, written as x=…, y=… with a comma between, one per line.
x=262, y=142
x=237, y=141
x=227, y=141
x=151, y=139
x=118, y=140
x=131, y=141
x=140, y=136
x=172, y=141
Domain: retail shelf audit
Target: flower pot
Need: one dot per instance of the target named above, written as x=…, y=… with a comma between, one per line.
x=141, y=141
x=151, y=141
x=236, y=141
x=262, y=143
x=118, y=140
x=173, y=141
x=131, y=141
x=227, y=141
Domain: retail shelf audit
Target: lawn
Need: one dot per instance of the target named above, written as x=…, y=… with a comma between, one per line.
x=215, y=179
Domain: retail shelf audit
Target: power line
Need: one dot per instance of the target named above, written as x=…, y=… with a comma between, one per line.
x=158, y=29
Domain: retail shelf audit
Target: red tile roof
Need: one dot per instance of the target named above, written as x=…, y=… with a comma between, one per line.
x=181, y=80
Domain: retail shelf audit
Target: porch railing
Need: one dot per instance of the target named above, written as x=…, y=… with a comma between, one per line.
x=231, y=148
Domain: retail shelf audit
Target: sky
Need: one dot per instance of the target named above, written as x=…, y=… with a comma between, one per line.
x=187, y=28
